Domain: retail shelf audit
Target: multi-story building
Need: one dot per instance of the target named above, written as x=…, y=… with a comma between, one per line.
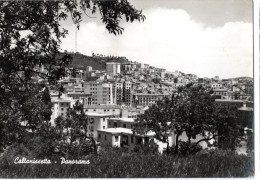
x=127, y=93
x=118, y=93
x=216, y=86
x=60, y=107
x=220, y=92
x=143, y=99
x=113, y=68
x=81, y=96
x=96, y=121
x=101, y=92
x=113, y=110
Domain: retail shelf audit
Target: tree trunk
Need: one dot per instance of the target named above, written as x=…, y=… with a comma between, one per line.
x=167, y=148
x=94, y=145
x=176, y=150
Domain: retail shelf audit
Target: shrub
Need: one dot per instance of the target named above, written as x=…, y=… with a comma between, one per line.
x=146, y=148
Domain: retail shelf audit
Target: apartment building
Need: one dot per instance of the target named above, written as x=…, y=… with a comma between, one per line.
x=96, y=121
x=60, y=107
x=113, y=110
x=127, y=93
x=102, y=93
x=143, y=99
x=113, y=68
x=118, y=93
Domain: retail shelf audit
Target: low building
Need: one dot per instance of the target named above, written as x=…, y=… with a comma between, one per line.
x=121, y=122
x=124, y=137
x=141, y=99
x=113, y=110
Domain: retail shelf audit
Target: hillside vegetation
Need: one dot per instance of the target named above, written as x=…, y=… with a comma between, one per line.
x=98, y=62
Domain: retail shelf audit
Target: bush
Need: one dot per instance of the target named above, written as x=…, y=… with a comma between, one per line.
x=185, y=149
x=146, y=148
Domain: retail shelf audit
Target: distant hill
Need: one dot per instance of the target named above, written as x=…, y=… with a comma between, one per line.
x=242, y=78
x=80, y=61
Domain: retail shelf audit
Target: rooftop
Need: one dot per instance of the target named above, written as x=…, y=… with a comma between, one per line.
x=229, y=100
x=122, y=130
x=246, y=109
x=219, y=89
x=102, y=106
x=117, y=130
x=144, y=94
x=123, y=119
x=98, y=115
x=61, y=99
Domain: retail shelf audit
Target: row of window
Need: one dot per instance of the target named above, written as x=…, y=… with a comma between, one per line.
x=104, y=110
x=65, y=104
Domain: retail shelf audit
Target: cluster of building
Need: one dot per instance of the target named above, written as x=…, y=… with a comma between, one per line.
x=113, y=98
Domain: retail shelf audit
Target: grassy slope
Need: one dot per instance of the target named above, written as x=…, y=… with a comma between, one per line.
x=111, y=164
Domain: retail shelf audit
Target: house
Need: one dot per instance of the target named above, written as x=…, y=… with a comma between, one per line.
x=119, y=134
x=122, y=137
x=96, y=121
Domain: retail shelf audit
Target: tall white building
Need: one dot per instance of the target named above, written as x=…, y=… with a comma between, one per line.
x=60, y=107
x=118, y=93
x=102, y=93
x=113, y=68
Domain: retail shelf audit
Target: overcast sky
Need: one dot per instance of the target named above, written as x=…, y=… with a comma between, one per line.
x=204, y=37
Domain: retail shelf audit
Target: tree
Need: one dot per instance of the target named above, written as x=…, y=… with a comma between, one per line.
x=30, y=37
x=191, y=110
x=73, y=133
x=26, y=114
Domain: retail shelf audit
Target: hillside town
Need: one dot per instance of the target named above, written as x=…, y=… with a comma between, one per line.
x=114, y=97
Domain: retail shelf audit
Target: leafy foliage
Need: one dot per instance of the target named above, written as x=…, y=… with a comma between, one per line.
x=30, y=37
x=191, y=110
x=146, y=148
x=72, y=133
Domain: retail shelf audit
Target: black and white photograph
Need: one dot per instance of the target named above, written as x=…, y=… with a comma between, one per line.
x=127, y=89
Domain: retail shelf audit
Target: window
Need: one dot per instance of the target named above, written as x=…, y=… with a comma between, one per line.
x=115, y=124
x=62, y=104
x=62, y=109
x=124, y=125
x=131, y=126
x=105, y=137
x=104, y=119
x=104, y=127
x=62, y=114
x=91, y=121
x=116, y=138
x=99, y=136
x=86, y=110
x=109, y=123
x=132, y=139
x=94, y=109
